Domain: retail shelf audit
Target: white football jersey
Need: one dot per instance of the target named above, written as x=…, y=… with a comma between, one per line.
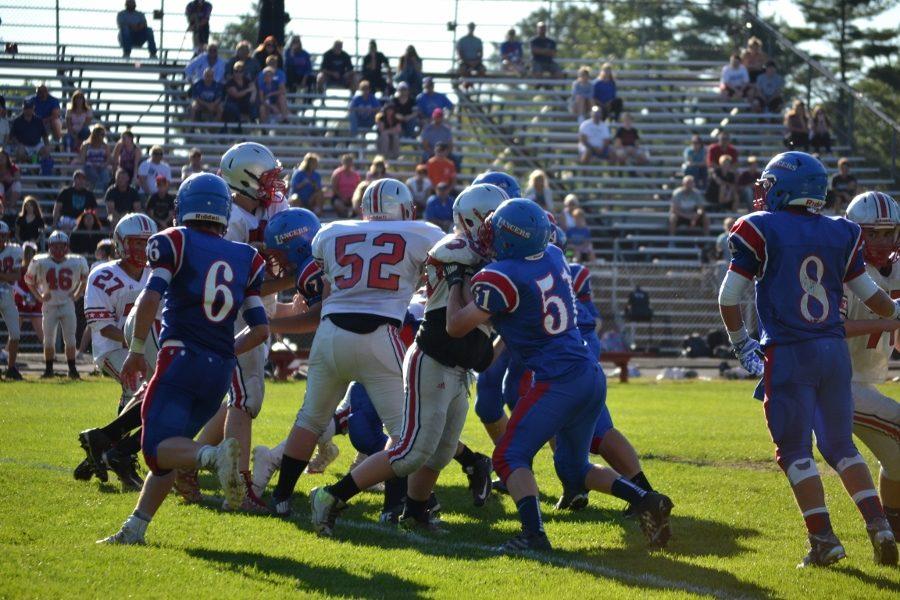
x=59, y=278
x=10, y=260
x=870, y=353
x=374, y=267
x=109, y=297
x=249, y=228
x=451, y=249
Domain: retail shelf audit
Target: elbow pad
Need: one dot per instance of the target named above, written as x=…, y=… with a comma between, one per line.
x=734, y=289
x=863, y=287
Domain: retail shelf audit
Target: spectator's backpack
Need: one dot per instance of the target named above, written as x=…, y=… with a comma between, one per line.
x=638, y=307
x=695, y=346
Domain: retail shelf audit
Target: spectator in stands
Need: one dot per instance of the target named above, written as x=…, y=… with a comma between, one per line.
x=127, y=155
x=4, y=121
x=47, y=109
x=695, y=161
x=121, y=198
x=375, y=68
x=715, y=151
x=746, y=181
x=512, y=54
x=420, y=187
x=389, y=128
x=820, y=130
x=405, y=110
x=272, y=96
x=78, y=120
x=842, y=188
x=95, y=158
x=796, y=126
x=605, y=93
x=543, y=53
x=27, y=134
x=356, y=200
x=87, y=233
x=409, y=71
x=470, y=52
x=722, y=190
x=306, y=184
x=434, y=133
x=723, y=248
x=567, y=216
x=362, y=109
x=152, y=169
x=133, y=30
x=627, y=145
x=539, y=191
x=72, y=201
x=582, y=94
x=269, y=47
x=240, y=98
x=30, y=222
x=439, y=208
x=197, y=14
x=194, y=164
x=298, y=67
x=378, y=169
x=161, y=204
x=429, y=100
x=10, y=182
x=344, y=180
x=768, y=89
x=208, y=98
x=593, y=137
x=252, y=67
x=734, y=81
x=754, y=59
x=441, y=168
x=686, y=208
x=336, y=69
x=196, y=69
x=579, y=238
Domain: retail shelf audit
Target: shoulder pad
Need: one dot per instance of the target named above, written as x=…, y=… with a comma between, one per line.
x=454, y=249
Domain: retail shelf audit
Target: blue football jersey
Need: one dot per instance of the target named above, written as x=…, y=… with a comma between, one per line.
x=800, y=261
x=205, y=280
x=584, y=299
x=309, y=281
x=533, y=310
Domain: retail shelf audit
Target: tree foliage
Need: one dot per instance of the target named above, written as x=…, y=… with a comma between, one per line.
x=245, y=28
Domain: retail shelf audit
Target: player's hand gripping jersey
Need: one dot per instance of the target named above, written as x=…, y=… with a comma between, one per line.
x=110, y=295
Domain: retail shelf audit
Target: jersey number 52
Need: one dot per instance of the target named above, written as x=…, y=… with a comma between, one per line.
x=394, y=250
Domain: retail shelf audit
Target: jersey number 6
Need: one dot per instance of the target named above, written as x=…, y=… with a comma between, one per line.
x=375, y=279
x=220, y=271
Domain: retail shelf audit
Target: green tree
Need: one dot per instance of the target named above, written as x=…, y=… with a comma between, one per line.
x=245, y=28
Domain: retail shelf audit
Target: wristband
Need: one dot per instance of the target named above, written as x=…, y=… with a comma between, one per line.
x=136, y=346
x=736, y=337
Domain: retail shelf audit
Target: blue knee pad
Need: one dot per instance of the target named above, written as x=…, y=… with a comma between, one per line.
x=364, y=425
x=604, y=424
x=489, y=391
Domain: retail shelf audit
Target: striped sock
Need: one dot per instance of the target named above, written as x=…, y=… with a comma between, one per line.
x=817, y=520
x=869, y=505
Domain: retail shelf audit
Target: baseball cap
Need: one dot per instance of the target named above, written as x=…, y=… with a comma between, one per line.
x=438, y=112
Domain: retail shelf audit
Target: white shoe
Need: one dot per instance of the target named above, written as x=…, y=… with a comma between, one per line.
x=225, y=466
x=324, y=510
x=128, y=535
x=326, y=453
x=265, y=463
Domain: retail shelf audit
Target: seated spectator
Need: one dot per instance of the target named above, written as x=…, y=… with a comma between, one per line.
x=768, y=89
x=543, y=53
x=627, y=145
x=272, y=96
x=208, y=98
x=605, y=93
x=242, y=55
x=196, y=69
x=197, y=14
x=389, y=128
x=470, y=52
x=344, y=180
x=127, y=155
x=336, y=69
x=27, y=135
x=95, y=159
x=87, y=233
x=715, y=151
x=133, y=30
x=151, y=169
x=842, y=188
x=420, y=187
x=746, y=182
x=78, y=120
x=356, y=200
x=121, y=198
x=754, y=59
x=723, y=248
x=441, y=168
x=240, y=98
x=4, y=121
x=72, y=201
x=30, y=222
x=46, y=108
x=439, y=208
x=582, y=94
x=378, y=169
x=405, y=110
x=362, y=109
x=695, y=161
x=593, y=137
x=434, y=133
x=10, y=182
x=512, y=54
x=539, y=191
x=567, y=217
x=429, y=100
x=194, y=164
x=161, y=204
x=269, y=47
x=298, y=67
x=722, y=191
x=280, y=76
x=375, y=68
x=734, y=81
x=686, y=208
x=409, y=71
x=579, y=238
x=306, y=184
x=820, y=130
x=796, y=127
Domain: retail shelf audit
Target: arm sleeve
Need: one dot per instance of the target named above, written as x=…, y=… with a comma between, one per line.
x=253, y=311
x=734, y=289
x=862, y=286
x=748, y=249
x=494, y=292
x=581, y=283
x=164, y=255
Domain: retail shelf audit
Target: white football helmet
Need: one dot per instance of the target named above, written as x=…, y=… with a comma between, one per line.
x=471, y=209
x=130, y=237
x=879, y=216
x=5, y=234
x=58, y=245
x=252, y=170
x=387, y=200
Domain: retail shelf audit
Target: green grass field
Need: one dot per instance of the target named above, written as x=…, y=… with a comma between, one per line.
x=737, y=532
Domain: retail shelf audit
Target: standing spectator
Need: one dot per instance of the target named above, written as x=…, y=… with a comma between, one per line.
x=754, y=59
x=87, y=233
x=133, y=30
x=715, y=151
x=769, y=87
x=28, y=136
x=306, y=184
x=582, y=93
x=543, y=53
x=298, y=67
x=194, y=164
x=242, y=55
x=378, y=169
x=439, y=208
x=336, y=69
x=10, y=182
x=605, y=93
x=375, y=68
x=127, y=155
x=46, y=108
x=420, y=187
x=512, y=54
x=208, y=98
x=579, y=238
x=429, y=100
x=272, y=96
x=734, y=81
x=409, y=71
x=389, y=128
x=796, y=125
x=344, y=180
x=196, y=69
x=30, y=222
x=95, y=158
x=121, y=198
x=362, y=109
x=78, y=120
x=434, y=133
x=842, y=188
x=686, y=208
x=470, y=52
x=240, y=98
x=152, y=169
x=627, y=145
x=593, y=137
x=197, y=14
x=161, y=204
x=269, y=47
x=695, y=161
x=747, y=180
x=72, y=201
x=820, y=130
x=539, y=191
x=722, y=191
x=440, y=167
x=405, y=110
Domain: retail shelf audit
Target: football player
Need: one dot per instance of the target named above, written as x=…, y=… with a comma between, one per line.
x=204, y=282
x=801, y=262
x=10, y=271
x=58, y=279
x=28, y=305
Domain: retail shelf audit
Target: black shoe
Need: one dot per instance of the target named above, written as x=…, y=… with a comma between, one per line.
x=95, y=443
x=125, y=468
x=434, y=508
x=391, y=516
x=629, y=512
x=13, y=374
x=428, y=524
x=84, y=471
x=526, y=542
x=479, y=476
x=573, y=502
x=653, y=512
x=824, y=549
x=73, y=374
x=499, y=487
x=883, y=542
x=48, y=375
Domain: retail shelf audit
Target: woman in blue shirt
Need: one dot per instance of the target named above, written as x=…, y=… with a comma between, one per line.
x=306, y=184
x=605, y=93
x=298, y=67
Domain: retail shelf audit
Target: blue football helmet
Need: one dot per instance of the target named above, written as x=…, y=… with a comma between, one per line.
x=505, y=182
x=517, y=229
x=558, y=237
x=791, y=179
x=288, y=239
x=203, y=197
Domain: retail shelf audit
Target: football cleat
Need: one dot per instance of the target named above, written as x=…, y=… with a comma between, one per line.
x=187, y=486
x=83, y=472
x=479, y=476
x=428, y=525
x=326, y=453
x=325, y=509
x=225, y=466
x=280, y=508
x=573, y=502
x=13, y=374
x=48, y=374
x=653, y=513
x=128, y=535
x=265, y=463
x=391, y=516
x=499, y=487
x=434, y=508
x=824, y=549
x=125, y=467
x=95, y=443
x=73, y=375
x=883, y=542
x=526, y=542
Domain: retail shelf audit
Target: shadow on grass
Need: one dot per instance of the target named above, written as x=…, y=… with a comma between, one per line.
x=882, y=583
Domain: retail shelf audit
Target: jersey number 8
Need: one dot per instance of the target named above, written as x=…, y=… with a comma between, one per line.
x=219, y=271
x=812, y=287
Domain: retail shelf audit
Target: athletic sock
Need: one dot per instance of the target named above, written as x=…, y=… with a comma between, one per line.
x=416, y=509
x=530, y=515
x=893, y=517
x=137, y=522
x=344, y=489
x=291, y=469
x=131, y=444
x=640, y=480
x=72, y=367
x=48, y=366
x=125, y=422
x=869, y=505
x=466, y=458
x=394, y=492
x=817, y=520
x=627, y=491
x=206, y=455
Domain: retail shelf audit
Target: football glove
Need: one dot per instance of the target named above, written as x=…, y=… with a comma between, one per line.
x=454, y=273
x=750, y=355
